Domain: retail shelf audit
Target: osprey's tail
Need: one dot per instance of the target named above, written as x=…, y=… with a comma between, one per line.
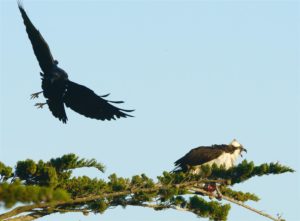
x=179, y=169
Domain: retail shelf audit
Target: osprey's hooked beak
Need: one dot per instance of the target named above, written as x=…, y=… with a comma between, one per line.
x=242, y=149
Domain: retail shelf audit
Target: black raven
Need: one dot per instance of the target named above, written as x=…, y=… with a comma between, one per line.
x=59, y=90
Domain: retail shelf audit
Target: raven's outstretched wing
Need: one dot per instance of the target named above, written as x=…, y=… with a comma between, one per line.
x=84, y=101
x=39, y=45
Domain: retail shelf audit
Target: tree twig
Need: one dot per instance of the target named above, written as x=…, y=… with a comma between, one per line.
x=238, y=203
x=28, y=217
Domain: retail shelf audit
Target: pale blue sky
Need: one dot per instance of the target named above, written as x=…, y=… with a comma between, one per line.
x=197, y=73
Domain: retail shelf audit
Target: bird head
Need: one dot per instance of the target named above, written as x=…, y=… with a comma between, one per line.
x=239, y=146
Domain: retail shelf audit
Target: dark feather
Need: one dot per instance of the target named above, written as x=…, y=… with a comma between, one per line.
x=58, y=110
x=84, y=101
x=39, y=45
x=54, y=93
x=105, y=95
x=116, y=102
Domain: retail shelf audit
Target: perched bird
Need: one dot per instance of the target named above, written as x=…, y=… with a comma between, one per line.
x=59, y=90
x=222, y=155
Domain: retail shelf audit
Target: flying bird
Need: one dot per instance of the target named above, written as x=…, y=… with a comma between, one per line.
x=59, y=91
x=222, y=155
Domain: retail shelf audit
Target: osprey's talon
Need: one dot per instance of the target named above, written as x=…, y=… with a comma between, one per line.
x=35, y=95
x=40, y=105
x=210, y=187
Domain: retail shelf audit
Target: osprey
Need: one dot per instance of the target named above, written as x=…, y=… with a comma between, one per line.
x=222, y=155
x=59, y=90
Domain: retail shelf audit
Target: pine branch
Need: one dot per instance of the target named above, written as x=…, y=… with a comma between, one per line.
x=18, y=192
x=28, y=217
x=237, y=203
x=22, y=209
x=5, y=172
x=54, y=206
x=238, y=195
x=71, y=161
x=50, y=187
x=245, y=170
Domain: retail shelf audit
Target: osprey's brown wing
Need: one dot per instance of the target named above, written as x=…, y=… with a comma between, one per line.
x=39, y=45
x=200, y=155
x=84, y=101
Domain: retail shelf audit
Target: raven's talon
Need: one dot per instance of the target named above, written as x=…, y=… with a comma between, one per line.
x=40, y=105
x=35, y=95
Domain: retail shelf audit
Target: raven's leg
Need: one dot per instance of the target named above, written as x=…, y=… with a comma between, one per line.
x=40, y=105
x=35, y=95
